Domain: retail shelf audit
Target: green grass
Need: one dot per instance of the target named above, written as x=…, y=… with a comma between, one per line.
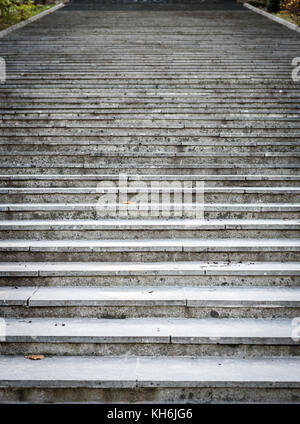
x=282, y=14
x=6, y=22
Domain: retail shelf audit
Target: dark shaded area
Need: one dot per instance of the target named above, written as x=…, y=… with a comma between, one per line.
x=154, y=5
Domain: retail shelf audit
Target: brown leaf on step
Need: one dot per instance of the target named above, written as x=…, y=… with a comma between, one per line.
x=127, y=202
x=35, y=357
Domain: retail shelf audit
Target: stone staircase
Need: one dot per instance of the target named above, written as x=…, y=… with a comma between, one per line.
x=106, y=268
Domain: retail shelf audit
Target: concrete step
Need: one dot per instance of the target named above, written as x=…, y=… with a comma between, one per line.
x=151, y=130
x=151, y=250
x=183, y=78
x=107, y=105
x=220, y=138
x=224, y=92
x=36, y=119
x=204, y=82
x=157, y=379
x=137, y=81
x=143, y=336
x=159, y=159
x=97, y=229
x=231, y=78
x=88, y=180
x=185, y=274
x=146, y=115
x=143, y=139
x=84, y=146
x=53, y=86
x=150, y=301
x=16, y=211
x=60, y=168
x=136, y=192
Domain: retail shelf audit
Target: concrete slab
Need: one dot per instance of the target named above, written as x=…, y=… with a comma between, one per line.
x=150, y=330
x=193, y=296
x=15, y=295
x=137, y=177
x=219, y=372
x=129, y=372
x=99, y=296
x=134, y=224
x=147, y=268
x=68, y=372
x=154, y=245
x=73, y=330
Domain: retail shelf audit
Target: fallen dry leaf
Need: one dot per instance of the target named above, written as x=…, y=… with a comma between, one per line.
x=35, y=357
x=127, y=202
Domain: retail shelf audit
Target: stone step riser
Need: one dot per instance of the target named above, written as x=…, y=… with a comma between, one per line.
x=102, y=57
x=108, y=106
x=24, y=159
x=91, y=181
x=147, y=349
x=151, y=395
x=98, y=211
x=146, y=169
x=150, y=128
x=221, y=138
x=149, y=84
x=203, y=76
x=173, y=123
x=221, y=89
x=114, y=72
x=63, y=280
x=39, y=105
x=147, y=51
x=82, y=149
x=118, y=198
x=150, y=68
x=147, y=113
x=167, y=311
x=60, y=74
x=132, y=140
x=93, y=213
x=86, y=234
x=260, y=254
x=154, y=50
x=152, y=97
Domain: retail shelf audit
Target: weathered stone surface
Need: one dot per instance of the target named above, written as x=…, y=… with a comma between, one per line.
x=150, y=330
x=148, y=307
x=148, y=372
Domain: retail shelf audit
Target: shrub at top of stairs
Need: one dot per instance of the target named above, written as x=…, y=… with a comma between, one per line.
x=273, y=5
x=14, y=11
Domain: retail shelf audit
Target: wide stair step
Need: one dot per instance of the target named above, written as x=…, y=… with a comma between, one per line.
x=150, y=301
x=157, y=273
x=173, y=336
x=150, y=250
x=166, y=378
x=123, y=229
